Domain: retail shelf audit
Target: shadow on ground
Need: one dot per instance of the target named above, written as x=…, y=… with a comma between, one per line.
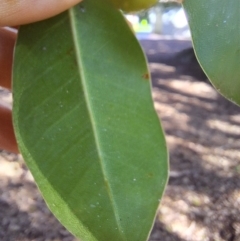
x=202, y=200
x=24, y=215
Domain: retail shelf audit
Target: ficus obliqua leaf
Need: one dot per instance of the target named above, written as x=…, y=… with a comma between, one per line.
x=85, y=123
x=215, y=29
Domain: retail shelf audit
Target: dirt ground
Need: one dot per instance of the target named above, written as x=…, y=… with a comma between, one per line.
x=202, y=200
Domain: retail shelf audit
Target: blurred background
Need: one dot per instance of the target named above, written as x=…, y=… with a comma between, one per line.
x=202, y=200
x=168, y=20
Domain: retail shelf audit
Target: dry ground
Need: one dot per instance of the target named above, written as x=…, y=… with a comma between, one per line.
x=202, y=200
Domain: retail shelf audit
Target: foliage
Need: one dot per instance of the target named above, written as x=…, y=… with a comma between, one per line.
x=84, y=118
x=216, y=39
x=86, y=125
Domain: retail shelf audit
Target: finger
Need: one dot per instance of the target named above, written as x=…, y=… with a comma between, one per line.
x=7, y=41
x=7, y=137
x=26, y=11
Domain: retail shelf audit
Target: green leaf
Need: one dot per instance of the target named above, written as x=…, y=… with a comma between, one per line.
x=85, y=123
x=215, y=28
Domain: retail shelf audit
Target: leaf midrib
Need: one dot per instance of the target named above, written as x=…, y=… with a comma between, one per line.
x=89, y=108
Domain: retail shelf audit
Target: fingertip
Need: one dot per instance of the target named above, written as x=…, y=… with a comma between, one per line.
x=7, y=41
x=7, y=136
x=22, y=12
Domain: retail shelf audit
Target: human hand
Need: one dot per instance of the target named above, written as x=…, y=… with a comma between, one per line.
x=15, y=13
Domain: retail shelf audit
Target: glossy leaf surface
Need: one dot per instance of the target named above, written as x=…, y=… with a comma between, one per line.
x=215, y=28
x=85, y=123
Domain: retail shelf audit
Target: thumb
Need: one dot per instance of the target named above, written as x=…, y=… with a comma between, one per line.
x=13, y=13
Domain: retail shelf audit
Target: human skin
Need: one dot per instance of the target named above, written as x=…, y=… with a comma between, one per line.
x=16, y=13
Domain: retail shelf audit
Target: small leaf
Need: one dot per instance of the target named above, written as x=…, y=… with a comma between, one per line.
x=86, y=125
x=215, y=29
